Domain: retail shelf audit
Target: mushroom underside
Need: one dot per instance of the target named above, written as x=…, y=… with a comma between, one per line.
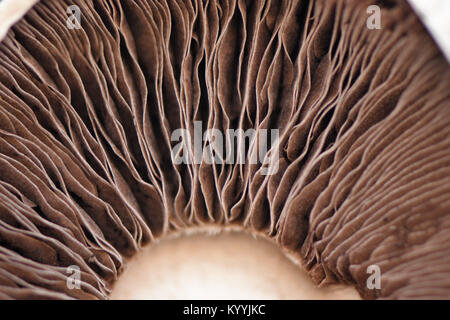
x=87, y=115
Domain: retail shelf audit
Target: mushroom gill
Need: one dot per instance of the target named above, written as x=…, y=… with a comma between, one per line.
x=86, y=116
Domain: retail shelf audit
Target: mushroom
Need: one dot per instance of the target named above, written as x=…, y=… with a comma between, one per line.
x=87, y=113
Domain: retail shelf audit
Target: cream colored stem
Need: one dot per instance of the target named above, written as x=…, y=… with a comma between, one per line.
x=225, y=266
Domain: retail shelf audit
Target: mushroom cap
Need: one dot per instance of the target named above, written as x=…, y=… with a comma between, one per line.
x=87, y=174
